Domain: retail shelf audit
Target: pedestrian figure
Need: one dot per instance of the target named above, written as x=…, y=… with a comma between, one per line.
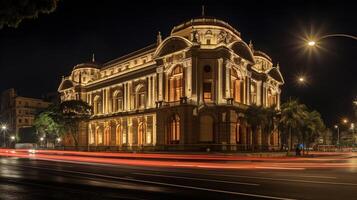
x=297, y=150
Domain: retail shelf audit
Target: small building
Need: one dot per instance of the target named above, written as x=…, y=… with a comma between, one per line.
x=188, y=91
x=19, y=112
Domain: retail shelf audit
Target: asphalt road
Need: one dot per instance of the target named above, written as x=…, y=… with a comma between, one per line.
x=26, y=178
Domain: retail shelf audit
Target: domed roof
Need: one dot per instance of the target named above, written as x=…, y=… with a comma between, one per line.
x=205, y=20
x=262, y=54
x=87, y=65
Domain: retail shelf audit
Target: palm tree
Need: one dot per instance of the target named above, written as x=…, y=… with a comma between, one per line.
x=269, y=122
x=313, y=127
x=292, y=118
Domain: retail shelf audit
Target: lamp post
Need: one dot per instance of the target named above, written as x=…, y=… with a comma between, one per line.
x=312, y=43
x=3, y=129
x=353, y=133
x=338, y=135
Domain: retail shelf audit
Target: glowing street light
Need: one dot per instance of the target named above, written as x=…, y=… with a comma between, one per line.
x=41, y=139
x=311, y=43
x=345, y=121
x=4, y=128
x=12, y=137
x=301, y=79
x=59, y=140
x=338, y=134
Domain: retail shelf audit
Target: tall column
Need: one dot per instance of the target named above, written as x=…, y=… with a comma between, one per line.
x=160, y=71
x=124, y=97
x=278, y=100
x=227, y=78
x=107, y=101
x=129, y=96
x=154, y=94
x=130, y=132
x=148, y=81
x=188, y=80
x=259, y=93
x=154, y=136
x=103, y=101
x=248, y=91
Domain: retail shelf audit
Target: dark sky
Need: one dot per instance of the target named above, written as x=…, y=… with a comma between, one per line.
x=34, y=56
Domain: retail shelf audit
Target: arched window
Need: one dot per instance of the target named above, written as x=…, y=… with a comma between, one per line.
x=207, y=83
x=253, y=92
x=124, y=132
x=91, y=135
x=141, y=133
x=140, y=97
x=106, y=136
x=271, y=98
x=238, y=133
x=118, y=135
x=118, y=101
x=206, y=128
x=236, y=86
x=176, y=83
x=174, y=131
x=99, y=136
x=98, y=107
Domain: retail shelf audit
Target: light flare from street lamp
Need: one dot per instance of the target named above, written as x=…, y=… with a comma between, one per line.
x=3, y=127
x=12, y=137
x=311, y=43
x=345, y=121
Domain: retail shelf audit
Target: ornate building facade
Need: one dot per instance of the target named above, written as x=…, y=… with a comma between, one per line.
x=187, y=91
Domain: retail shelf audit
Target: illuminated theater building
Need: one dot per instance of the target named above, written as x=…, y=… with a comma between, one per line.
x=188, y=91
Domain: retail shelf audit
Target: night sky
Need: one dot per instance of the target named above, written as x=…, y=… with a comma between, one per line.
x=34, y=56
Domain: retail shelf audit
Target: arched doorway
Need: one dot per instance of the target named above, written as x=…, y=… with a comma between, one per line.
x=99, y=133
x=173, y=132
x=206, y=129
x=141, y=133
x=106, y=136
x=236, y=86
x=176, y=83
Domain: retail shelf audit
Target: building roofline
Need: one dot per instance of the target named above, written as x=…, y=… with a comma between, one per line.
x=129, y=56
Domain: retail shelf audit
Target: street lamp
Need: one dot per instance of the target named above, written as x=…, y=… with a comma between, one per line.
x=353, y=132
x=3, y=129
x=312, y=43
x=338, y=134
x=301, y=79
x=344, y=120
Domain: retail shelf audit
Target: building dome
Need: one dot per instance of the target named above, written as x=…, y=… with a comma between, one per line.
x=262, y=54
x=87, y=65
x=204, y=20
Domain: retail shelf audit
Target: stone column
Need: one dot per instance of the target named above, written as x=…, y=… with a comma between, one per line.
x=188, y=79
x=148, y=81
x=259, y=93
x=160, y=71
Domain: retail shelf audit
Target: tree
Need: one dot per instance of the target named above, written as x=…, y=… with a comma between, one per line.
x=292, y=119
x=313, y=127
x=12, y=12
x=270, y=121
x=72, y=113
x=47, y=124
x=256, y=118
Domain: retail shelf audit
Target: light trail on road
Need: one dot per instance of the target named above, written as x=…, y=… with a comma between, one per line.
x=185, y=161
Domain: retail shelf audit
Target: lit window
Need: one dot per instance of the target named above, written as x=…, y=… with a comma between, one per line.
x=207, y=94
